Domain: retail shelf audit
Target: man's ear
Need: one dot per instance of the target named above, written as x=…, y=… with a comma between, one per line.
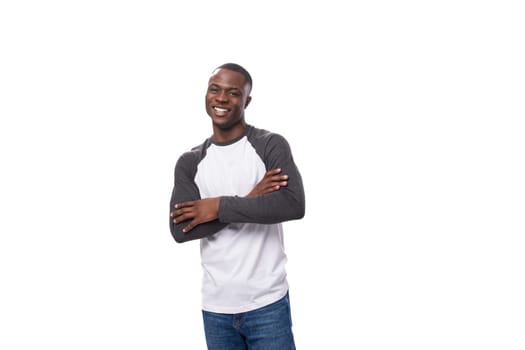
x=248, y=100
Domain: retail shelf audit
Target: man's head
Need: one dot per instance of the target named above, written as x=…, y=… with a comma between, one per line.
x=239, y=69
x=228, y=95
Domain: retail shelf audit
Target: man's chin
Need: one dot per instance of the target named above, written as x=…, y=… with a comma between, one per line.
x=219, y=120
x=222, y=124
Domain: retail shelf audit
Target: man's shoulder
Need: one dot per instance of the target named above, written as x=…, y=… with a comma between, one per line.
x=262, y=137
x=196, y=153
x=201, y=147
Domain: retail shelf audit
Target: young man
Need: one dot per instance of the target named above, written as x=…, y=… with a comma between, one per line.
x=233, y=192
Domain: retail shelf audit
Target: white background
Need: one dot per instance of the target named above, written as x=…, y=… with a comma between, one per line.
x=405, y=119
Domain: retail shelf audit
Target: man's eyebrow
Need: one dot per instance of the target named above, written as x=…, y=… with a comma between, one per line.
x=224, y=87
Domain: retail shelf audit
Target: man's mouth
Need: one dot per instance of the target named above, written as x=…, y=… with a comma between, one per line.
x=221, y=110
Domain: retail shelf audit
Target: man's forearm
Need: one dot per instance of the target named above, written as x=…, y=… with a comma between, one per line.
x=283, y=205
x=185, y=190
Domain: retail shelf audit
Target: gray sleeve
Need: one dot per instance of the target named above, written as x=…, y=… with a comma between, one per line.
x=288, y=203
x=185, y=190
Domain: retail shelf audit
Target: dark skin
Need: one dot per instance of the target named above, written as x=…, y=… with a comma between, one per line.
x=227, y=97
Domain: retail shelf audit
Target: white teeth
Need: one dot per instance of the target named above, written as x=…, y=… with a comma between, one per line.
x=220, y=109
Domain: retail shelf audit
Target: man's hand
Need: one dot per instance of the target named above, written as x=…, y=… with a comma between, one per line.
x=199, y=211
x=271, y=182
x=205, y=210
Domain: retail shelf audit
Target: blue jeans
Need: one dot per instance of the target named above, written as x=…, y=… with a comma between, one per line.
x=266, y=328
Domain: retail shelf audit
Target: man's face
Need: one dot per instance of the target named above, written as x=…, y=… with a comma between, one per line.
x=227, y=96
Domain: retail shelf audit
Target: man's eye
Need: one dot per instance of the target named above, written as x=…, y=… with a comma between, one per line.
x=234, y=93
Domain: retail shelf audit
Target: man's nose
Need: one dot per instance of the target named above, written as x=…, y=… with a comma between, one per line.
x=221, y=97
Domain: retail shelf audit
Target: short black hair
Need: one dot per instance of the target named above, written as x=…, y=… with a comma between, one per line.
x=239, y=69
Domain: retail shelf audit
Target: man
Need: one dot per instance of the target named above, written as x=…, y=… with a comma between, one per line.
x=233, y=192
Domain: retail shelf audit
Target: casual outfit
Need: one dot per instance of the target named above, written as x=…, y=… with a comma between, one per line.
x=242, y=253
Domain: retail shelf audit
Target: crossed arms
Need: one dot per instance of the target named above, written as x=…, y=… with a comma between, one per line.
x=278, y=197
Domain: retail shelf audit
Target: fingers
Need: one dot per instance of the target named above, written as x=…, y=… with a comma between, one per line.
x=272, y=182
x=278, y=181
x=272, y=187
x=185, y=217
x=279, y=178
x=188, y=228
x=180, y=215
x=196, y=212
x=272, y=172
x=180, y=218
x=178, y=212
x=184, y=204
x=183, y=211
x=271, y=175
x=275, y=187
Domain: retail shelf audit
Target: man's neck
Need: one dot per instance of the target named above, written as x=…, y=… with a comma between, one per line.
x=222, y=135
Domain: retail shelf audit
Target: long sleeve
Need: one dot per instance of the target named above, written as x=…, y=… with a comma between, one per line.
x=288, y=203
x=184, y=190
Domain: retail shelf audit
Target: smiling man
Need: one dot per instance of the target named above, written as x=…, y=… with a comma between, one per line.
x=233, y=192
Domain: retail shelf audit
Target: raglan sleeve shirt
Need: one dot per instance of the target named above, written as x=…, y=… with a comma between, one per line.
x=287, y=203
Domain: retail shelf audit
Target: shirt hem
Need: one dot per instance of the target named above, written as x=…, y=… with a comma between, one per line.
x=245, y=308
